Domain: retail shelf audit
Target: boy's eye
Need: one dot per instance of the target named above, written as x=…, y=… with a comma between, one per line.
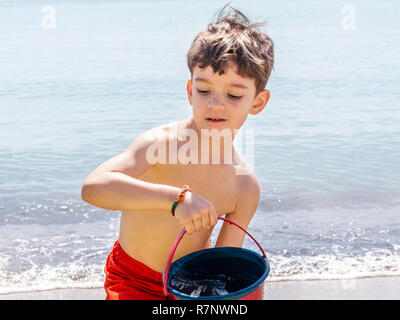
x=229, y=95
x=234, y=97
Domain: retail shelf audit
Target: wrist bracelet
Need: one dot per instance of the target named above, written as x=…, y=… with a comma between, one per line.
x=180, y=198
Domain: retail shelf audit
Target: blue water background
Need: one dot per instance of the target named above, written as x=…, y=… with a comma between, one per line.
x=327, y=147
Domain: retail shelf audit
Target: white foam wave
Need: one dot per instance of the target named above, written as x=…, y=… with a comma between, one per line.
x=335, y=267
x=376, y=263
x=48, y=278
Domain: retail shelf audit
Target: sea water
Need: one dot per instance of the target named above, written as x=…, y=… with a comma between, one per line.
x=80, y=79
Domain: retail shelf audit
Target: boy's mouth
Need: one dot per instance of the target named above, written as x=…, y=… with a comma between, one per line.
x=215, y=119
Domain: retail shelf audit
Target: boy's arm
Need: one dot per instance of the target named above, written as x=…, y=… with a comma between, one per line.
x=246, y=206
x=114, y=184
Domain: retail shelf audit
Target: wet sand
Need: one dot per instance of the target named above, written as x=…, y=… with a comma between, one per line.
x=381, y=288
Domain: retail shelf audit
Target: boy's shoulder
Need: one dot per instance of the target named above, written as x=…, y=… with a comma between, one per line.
x=248, y=186
x=244, y=172
x=150, y=136
x=159, y=132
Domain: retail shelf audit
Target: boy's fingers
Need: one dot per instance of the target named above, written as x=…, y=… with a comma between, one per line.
x=213, y=217
x=205, y=220
x=189, y=227
x=197, y=223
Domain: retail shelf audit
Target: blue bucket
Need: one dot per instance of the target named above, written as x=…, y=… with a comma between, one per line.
x=245, y=270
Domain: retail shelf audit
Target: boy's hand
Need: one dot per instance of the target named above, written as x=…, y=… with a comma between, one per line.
x=196, y=213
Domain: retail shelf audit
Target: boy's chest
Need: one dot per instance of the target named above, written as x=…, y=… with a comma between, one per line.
x=215, y=183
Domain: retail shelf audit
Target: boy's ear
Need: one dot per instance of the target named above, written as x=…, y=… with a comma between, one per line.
x=260, y=102
x=189, y=91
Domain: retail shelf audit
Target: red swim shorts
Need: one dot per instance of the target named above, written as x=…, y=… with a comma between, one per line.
x=129, y=279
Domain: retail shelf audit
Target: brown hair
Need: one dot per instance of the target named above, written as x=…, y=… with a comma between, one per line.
x=233, y=37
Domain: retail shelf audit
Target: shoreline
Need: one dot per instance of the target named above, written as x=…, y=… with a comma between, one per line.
x=374, y=288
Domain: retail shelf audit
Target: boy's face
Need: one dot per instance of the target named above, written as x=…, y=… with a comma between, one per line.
x=230, y=97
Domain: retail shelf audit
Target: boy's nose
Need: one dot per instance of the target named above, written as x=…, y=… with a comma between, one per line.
x=216, y=103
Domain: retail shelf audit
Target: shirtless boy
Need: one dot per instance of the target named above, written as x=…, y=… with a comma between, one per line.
x=230, y=64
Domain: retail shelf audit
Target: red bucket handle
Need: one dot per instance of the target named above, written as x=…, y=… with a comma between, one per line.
x=179, y=238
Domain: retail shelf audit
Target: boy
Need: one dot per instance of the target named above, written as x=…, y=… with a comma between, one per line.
x=230, y=64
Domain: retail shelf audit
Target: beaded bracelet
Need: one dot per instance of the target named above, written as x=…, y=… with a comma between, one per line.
x=180, y=198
